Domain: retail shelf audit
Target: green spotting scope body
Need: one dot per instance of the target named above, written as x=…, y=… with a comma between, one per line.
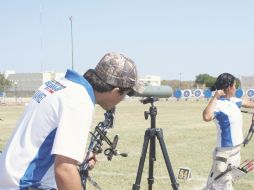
x=156, y=91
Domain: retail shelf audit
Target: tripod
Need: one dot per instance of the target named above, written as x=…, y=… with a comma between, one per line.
x=150, y=135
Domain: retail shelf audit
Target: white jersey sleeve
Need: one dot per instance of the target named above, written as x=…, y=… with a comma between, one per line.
x=75, y=119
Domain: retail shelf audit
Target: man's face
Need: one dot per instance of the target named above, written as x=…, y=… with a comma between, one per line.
x=112, y=98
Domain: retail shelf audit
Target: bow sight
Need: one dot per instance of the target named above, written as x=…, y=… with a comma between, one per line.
x=95, y=146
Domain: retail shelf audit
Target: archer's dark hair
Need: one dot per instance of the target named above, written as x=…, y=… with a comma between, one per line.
x=223, y=81
x=98, y=84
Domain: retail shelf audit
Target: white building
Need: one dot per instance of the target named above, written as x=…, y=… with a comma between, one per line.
x=7, y=73
x=247, y=82
x=25, y=84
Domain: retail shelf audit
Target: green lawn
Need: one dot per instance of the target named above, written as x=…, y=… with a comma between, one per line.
x=188, y=138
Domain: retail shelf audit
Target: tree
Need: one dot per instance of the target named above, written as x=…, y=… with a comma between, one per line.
x=205, y=79
x=238, y=83
x=4, y=83
x=175, y=84
x=208, y=80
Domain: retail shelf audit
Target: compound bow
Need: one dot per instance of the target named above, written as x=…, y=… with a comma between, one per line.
x=251, y=129
x=95, y=146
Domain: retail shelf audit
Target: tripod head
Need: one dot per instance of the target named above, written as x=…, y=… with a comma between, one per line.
x=149, y=100
x=152, y=111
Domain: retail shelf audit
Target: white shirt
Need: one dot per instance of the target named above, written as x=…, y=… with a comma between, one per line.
x=228, y=119
x=56, y=121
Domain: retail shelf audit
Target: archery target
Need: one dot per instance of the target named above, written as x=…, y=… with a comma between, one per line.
x=187, y=93
x=208, y=93
x=178, y=93
x=198, y=93
x=239, y=93
x=250, y=93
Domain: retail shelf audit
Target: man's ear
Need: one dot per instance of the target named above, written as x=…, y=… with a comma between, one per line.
x=115, y=91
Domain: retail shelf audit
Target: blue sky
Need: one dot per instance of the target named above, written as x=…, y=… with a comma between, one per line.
x=163, y=37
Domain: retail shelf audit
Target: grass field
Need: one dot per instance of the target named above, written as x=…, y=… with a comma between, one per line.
x=188, y=138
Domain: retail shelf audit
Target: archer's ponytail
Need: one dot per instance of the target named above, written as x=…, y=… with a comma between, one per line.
x=223, y=81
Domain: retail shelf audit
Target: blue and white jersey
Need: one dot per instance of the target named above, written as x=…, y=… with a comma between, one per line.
x=56, y=121
x=228, y=119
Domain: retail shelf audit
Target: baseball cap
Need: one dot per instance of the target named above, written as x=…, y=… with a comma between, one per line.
x=117, y=70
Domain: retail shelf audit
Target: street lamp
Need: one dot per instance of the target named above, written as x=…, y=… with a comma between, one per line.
x=15, y=89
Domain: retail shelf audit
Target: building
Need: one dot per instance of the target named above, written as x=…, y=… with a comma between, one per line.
x=247, y=82
x=25, y=84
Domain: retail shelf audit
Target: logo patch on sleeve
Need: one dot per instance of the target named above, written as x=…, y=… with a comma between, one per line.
x=53, y=86
x=38, y=96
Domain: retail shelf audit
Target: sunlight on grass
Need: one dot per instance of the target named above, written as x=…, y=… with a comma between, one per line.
x=188, y=138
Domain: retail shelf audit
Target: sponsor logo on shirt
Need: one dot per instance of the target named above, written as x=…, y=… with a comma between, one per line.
x=53, y=86
x=38, y=96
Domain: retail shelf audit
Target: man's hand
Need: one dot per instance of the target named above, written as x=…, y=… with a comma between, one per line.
x=92, y=161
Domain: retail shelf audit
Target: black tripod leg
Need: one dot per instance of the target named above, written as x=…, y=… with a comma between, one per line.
x=152, y=159
x=136, y=186
x=174, y=183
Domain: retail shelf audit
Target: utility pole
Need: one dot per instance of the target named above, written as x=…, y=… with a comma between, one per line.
x=72, y=64
x=41, y=50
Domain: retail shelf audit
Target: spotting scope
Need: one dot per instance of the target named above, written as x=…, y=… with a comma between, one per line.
x=155, y=91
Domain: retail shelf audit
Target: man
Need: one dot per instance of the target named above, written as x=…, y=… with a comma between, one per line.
x=50, y=138
x=224, y=109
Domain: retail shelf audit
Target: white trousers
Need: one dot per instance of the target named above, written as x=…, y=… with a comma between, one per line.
x=222, y=158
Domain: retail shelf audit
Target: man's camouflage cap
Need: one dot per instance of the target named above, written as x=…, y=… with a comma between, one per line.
x=117, y=70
